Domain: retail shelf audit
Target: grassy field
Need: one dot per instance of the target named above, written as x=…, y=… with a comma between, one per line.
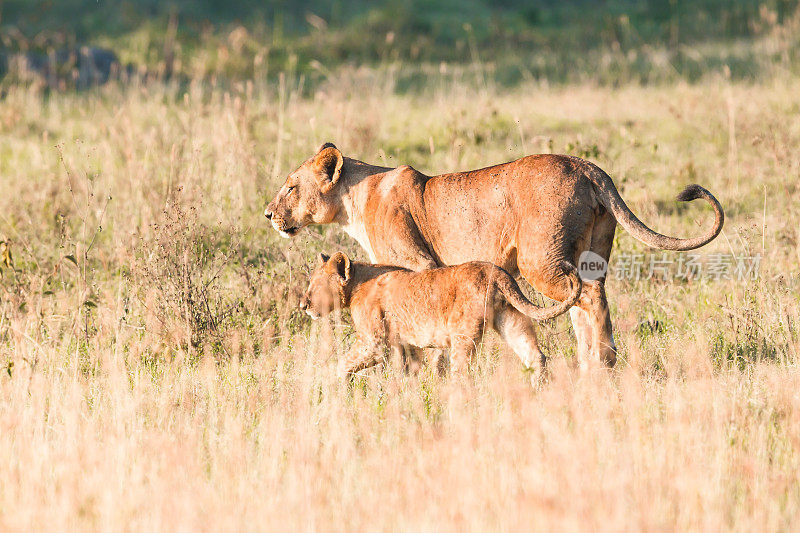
x=155, y=371
x=570, y=41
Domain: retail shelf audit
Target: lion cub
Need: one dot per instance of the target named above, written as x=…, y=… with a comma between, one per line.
x=445, y=307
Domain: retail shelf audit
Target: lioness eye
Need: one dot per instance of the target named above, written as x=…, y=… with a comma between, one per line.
x=289, y=190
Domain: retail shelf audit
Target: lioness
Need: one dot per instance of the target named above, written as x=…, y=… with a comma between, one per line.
x=526, y=216
x=446, y=307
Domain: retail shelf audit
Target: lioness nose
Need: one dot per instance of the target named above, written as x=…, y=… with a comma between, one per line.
x=303, y=304
x=268, y=213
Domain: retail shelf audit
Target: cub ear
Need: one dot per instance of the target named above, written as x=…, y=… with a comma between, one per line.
x=328, y=165
x=322, y=258
x=341, y=266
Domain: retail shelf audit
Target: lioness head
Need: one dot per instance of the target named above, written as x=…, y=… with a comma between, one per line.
x=326, y=289
x=307, y=195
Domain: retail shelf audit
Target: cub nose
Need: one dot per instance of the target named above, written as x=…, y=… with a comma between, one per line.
x=268, y=213
x=303, y=304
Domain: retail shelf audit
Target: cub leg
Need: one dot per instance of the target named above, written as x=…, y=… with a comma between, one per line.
x=363, y=354
x=517, y=331
x=413, y=358
x=435, y=358
x=462, y=353
x=397, y=356
x=404, y=358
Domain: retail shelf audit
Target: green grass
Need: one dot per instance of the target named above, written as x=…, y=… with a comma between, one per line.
x=620, y=42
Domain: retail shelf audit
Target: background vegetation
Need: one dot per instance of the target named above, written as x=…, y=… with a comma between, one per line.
x=155, y=371
x=608, y=42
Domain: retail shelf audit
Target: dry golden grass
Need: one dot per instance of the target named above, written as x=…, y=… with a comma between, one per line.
x=156, y=373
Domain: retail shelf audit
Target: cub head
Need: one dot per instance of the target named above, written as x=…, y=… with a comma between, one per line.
x=327, y=287
x=309, y=195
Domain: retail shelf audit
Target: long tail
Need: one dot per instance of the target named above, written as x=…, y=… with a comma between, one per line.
x=611, y=200
x=515, y=297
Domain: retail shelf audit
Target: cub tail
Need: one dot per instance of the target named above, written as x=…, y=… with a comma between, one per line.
x=509, y=288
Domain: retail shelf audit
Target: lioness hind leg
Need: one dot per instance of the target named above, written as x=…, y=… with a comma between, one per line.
x=583, y=335
x=596, y=325
x=593, y=297
x=517, y=331
x=590, y=316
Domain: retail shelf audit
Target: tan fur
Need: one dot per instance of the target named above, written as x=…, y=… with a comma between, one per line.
x=449, y=307
x=526, y=216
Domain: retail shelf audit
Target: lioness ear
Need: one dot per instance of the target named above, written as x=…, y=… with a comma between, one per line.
x=323, y=258
x=328, y=164
x=325, y=145
x=341, y=264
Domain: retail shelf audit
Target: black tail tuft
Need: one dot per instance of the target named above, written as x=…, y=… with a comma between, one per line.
x=692, y=192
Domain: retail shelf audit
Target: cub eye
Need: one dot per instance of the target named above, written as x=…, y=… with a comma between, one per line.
x=289, y=190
